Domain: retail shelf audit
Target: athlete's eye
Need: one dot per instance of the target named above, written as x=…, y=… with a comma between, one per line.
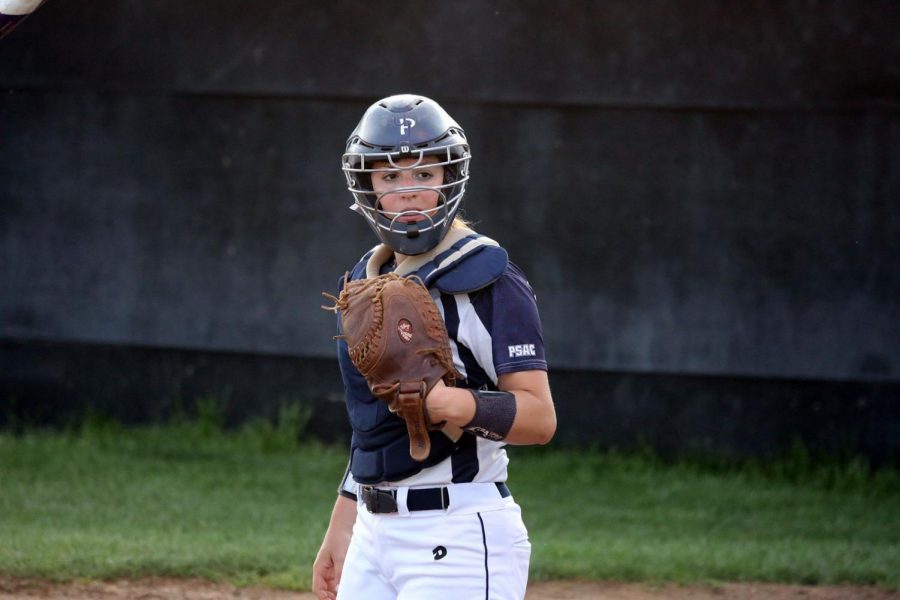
x=424, y=175
x=388, y=176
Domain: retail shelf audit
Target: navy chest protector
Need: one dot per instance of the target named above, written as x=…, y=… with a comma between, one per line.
x=379, y=446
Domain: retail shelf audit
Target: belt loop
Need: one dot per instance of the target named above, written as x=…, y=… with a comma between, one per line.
x=402, y=495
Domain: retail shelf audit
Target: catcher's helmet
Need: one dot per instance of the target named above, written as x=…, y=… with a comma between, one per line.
x=398, y=127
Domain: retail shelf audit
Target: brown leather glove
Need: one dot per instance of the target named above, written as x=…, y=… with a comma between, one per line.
x=398, y=341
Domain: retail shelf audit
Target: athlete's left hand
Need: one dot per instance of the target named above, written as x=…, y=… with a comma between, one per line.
x=450, y=404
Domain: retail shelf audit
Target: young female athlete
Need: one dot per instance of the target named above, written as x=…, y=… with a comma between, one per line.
x=447, y=527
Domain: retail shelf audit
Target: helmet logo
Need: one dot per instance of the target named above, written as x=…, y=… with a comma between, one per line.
x=405, y=124
x=405, y=330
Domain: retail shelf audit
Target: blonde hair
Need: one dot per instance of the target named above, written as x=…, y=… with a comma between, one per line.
x=460, y=223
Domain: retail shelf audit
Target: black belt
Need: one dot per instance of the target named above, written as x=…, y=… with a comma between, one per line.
x=380, y=501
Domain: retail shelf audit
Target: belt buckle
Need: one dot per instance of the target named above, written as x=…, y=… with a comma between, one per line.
x=379, y=501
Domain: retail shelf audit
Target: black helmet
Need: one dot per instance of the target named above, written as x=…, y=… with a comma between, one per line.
x=399, y=127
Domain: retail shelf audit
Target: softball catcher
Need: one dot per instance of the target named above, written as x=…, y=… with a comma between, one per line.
x=441, y=354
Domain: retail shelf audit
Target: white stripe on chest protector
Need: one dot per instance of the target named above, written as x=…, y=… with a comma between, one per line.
x=475, y=335
x=465, y=248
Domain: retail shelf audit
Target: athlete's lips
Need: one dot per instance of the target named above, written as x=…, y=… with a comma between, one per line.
x=412, y=215
x=410, y=218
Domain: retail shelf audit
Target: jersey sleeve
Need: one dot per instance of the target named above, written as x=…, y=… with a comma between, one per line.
x=509, y=310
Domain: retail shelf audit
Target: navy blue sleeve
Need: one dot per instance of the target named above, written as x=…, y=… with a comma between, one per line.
x=508, y=310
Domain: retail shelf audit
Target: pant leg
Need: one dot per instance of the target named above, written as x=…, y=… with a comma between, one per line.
x=509, y=554
x=473, y=556
x=362, y=576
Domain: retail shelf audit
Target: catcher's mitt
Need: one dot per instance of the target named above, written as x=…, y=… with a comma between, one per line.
x=398, y=341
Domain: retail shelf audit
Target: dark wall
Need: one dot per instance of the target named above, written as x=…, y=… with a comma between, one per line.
x=694, y=188
x=753, y=244
x=701, y=54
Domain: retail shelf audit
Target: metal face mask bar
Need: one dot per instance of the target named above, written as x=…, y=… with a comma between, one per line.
x=367, y=200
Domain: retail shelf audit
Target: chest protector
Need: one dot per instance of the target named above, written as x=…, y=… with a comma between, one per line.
x=463, y=262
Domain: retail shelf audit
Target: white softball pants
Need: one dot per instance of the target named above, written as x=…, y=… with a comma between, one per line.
x=477, y=549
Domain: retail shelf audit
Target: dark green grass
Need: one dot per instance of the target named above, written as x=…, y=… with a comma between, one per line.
x=251, y=506
x=630, y=518
x=170, y=501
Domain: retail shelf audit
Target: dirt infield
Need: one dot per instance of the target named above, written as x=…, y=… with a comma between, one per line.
x=190, y=589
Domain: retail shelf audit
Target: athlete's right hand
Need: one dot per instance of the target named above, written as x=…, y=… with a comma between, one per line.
x=329, y=563
x=327, y=571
